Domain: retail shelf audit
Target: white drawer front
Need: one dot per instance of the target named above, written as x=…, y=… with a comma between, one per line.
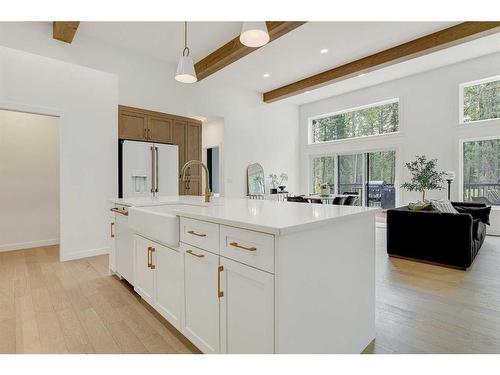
x=253, y=248
x=201, y=234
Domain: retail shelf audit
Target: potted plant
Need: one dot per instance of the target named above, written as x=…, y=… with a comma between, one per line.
x=283, y=178
x=424, y=175
x=274, y=183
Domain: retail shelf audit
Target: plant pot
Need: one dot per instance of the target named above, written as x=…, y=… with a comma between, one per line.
x=282, y=188
x=274, y=191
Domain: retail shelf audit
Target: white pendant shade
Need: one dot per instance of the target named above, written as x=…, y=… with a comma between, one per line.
x=185, y=70
x=254, y=34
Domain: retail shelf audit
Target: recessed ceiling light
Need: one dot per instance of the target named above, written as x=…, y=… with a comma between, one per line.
x=324, y=50
x=362, y=74
x=307, y=92
x=266, y=75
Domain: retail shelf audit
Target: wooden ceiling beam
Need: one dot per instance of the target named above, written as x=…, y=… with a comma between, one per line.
x=234, y=50
x=64, y=31
x=439, y=40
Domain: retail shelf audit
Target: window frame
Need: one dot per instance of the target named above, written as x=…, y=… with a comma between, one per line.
x=461, y=143
x=353, y=109
x=462, y=86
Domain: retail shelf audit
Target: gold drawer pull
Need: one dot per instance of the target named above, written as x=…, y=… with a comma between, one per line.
x=196, y=234
x=236, y=244
x=112, y=231
x=220, y=293
x=196, y=255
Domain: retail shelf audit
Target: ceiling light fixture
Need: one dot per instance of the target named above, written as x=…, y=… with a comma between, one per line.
x=266, y=75
x=324, y=50
x=185, y=69
x=254, y=34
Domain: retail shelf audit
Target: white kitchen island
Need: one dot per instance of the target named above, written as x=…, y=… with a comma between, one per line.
x=256, y=276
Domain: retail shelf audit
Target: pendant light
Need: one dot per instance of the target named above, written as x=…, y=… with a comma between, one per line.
x=254, y=34
x=185, y=69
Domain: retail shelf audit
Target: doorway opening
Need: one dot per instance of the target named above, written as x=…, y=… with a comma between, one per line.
x=29, y=176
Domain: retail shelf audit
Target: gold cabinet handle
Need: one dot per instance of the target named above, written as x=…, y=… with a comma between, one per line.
x=220, y=293
x=196, y=234
x=145, y=133
x=118, y=211
x=152, y=266
x=236, y=244
x=190, y=252
x=112, y=231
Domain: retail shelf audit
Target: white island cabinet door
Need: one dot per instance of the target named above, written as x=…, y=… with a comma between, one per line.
x=247, y=309
x=169, y=284
x=144, y=267
x=201, y=301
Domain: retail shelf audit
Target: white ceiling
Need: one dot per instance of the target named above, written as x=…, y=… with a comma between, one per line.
x=162, y=40
x=294, y=56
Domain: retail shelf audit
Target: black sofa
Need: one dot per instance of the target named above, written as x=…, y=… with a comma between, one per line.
x=447, y=239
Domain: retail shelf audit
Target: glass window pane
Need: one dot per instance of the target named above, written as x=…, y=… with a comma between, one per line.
x=380, y=119
x=481, y=172
x=481, y=102
x=323, y=168
x=382, y=174
x=350, y=175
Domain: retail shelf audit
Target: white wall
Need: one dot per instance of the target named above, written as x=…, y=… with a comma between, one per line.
x=86, y=101
x=29, y=180
x=429, y=120
x=253, y=131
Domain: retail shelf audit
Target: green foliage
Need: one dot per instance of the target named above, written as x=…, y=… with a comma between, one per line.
x=424, y=175
x=482, y=102
x=363, y=122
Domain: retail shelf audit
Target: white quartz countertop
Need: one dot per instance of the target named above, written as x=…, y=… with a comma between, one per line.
x=261, y=215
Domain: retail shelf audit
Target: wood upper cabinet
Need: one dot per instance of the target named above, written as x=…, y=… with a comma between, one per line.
x=193, y=152
x=144, y=125
x=132, y=125
x=160, y=129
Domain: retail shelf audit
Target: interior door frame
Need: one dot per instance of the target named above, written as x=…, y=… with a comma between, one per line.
x=52, y=112
x=221, y=165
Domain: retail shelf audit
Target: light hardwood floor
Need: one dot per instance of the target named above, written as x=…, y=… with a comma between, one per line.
x=75, y=307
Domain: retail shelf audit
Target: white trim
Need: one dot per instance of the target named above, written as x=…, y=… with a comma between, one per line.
x=46, y=111
x=461, y=99
x=84, y=254
x=461, y=160
x=28, y=245
x=353, y=109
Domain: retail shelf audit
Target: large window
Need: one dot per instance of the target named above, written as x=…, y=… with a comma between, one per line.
x=370, y=120
x=370, y=176
x=481, y=173
x=481, y=100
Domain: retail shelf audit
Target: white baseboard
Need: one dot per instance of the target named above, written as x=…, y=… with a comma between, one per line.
x=84, y=254
x=28, y=245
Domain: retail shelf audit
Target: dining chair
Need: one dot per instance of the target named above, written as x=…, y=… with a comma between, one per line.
x=297, y=199
x=339, y=201
x=351, y=200
x=315, y=200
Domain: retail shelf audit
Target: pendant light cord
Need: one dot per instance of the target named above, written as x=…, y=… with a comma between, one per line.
x=186, y=49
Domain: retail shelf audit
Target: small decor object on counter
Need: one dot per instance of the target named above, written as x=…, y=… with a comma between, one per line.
x=449, y=176
x=277, y=182
x=424, y=176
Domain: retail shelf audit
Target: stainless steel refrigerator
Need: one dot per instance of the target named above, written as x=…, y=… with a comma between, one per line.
x=147, y=169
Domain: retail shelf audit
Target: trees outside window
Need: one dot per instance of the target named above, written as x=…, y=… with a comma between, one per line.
x=371, y=120
x=481, y=101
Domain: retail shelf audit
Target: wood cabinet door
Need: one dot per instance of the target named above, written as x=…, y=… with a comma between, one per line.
x=144, y=278
x=169, y=284
x=246, y=309
x=193, y=152
x=200, y=322
x=179, y=139
x=132, y=125
x=160, y=129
